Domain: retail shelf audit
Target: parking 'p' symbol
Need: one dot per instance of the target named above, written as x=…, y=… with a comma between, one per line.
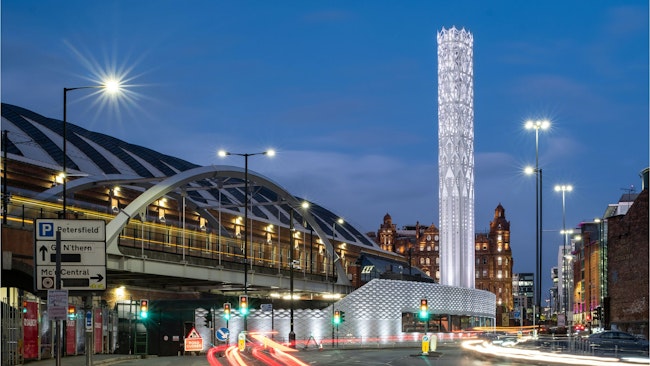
x=45, y=229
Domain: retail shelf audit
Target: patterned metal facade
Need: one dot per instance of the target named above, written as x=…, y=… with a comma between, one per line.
x=456, y=156
x=374, y=312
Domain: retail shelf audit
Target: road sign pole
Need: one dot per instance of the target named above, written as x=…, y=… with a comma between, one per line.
x=88, y=306
x=57, y=285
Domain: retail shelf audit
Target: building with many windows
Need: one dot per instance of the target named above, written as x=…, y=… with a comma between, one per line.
x=522, y=293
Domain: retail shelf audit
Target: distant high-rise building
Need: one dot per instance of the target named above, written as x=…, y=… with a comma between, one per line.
x=456, y=156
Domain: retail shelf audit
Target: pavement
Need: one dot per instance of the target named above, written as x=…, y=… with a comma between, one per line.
x=97, y=360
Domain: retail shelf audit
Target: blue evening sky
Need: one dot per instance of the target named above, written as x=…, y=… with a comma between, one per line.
x=346, y=92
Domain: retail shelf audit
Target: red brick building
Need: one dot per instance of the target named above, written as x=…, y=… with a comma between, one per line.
x=627, y=272
x=493, y=254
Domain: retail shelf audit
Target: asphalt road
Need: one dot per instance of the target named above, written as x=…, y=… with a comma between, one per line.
x=447, y=355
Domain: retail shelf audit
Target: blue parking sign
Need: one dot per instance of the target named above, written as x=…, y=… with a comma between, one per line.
x=46, y=229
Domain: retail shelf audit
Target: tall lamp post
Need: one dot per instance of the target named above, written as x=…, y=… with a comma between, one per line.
x=564, y=188
x=109, y=86
x=538, y=125
x=292, y=334
x=224, y=153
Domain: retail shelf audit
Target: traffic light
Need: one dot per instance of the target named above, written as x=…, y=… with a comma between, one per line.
x=337, y=317
x=342, y=316
x=597, y=313
x=243, y=304
x=144, y=308
x=24, y=307
x=72, y=311
x=424, y=309
x=226, y=311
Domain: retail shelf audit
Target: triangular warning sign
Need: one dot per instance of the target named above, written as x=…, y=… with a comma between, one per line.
x=193, y=334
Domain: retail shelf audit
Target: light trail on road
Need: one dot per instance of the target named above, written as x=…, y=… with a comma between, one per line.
x=515, y=353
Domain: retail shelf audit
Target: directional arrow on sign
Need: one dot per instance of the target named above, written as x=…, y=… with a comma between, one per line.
x=99, y=278
x=43, y=250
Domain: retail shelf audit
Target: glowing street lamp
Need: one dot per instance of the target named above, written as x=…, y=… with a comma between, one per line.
x=223, y=153
x=110, y=86
x=537, y=125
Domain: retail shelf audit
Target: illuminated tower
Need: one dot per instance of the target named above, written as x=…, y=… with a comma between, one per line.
x=456, y=156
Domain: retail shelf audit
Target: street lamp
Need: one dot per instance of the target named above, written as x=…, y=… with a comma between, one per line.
x=224, y=153
x=110, y=86
x=569, y=303
x=538, y=125
x=292, y=334
x=563, y=189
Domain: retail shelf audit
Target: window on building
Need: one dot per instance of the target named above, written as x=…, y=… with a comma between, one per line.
x=437, y=274
x=499, y=261
x=499, y=274
x=485, y=273
x=484, y=246
x=484, y=260
x=428, y=260
x=421, y=260
x=476, y=274
x=428, y=248
x=437, y=260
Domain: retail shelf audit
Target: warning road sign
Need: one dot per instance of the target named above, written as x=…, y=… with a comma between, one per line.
x=193, y=344
x=193, y=341
x=193, y=334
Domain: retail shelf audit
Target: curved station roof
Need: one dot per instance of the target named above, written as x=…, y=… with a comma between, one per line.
x=38, y=140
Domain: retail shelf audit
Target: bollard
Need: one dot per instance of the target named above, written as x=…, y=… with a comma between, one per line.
x=425, y=345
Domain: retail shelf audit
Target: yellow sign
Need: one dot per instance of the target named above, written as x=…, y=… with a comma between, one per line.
x=241, y=343
x=425, y=345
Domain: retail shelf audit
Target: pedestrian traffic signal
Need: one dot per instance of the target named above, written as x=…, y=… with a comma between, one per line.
x=226, y=311
x=243, y=304
x=72, y=311
x=424, y=309
x=337, y=317
x=144, y=308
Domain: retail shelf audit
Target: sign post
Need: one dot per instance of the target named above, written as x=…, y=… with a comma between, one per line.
x=69, y=255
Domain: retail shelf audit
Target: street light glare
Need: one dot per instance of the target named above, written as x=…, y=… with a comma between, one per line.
x=222, y=153
x=564, y=188
x=529, y=170
x=112, y=86
x=270, y=152
x=538, y=124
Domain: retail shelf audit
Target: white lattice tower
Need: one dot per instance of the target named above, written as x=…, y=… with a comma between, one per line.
x=456, y=156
